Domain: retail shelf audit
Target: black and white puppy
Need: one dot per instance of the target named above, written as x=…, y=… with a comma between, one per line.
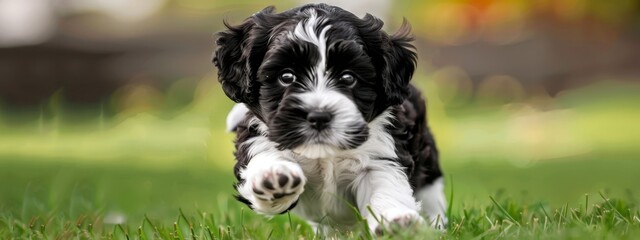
x=327, y=119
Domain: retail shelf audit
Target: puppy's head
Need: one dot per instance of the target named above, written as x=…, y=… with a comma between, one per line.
x=316, y=75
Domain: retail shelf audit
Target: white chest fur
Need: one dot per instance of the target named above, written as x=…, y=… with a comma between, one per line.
x=329, y=196
x=329, y=193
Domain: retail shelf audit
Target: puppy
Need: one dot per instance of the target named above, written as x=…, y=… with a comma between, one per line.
x=328, y=120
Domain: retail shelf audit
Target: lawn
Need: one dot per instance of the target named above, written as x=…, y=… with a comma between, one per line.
x=144, y=175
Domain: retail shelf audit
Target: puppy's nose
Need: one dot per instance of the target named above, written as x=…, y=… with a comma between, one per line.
x=319, y=120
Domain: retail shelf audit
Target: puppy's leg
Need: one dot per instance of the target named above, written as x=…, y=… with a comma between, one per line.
x=428, y=180
x=434, y=203
x=267, y=182
x=386, y=190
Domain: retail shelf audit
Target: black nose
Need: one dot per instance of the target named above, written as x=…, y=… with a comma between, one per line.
x=319, y=120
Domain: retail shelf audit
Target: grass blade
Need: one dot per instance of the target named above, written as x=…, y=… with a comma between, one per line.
x=504, y=211
x=449, y=209
x=614, y=209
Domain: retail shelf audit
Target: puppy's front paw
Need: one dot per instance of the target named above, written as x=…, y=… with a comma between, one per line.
x=394, y=219
x=274, y=188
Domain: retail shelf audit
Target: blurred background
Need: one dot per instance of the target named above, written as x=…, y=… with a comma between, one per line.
x=113, y=106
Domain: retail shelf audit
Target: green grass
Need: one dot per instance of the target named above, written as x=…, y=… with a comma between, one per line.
x=148, y=175
x=63, y=200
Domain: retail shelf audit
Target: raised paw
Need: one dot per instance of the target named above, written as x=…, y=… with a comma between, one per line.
x=277, y=182
x=275, y=187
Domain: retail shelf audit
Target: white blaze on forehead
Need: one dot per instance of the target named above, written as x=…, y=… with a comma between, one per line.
x=305, y=30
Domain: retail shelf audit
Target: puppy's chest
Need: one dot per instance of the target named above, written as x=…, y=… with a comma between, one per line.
x=329, y=189
x=331, y=173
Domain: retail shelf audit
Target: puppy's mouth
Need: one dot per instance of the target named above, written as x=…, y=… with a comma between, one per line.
x=328, y=143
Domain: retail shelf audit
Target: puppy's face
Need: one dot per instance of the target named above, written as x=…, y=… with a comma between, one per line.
x=315, y=75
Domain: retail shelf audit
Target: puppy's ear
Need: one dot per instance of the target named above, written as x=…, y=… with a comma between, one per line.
x=238, y=55
x=393, y=56
x=400, y=63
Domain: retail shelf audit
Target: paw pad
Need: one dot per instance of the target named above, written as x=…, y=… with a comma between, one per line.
x=277, y=182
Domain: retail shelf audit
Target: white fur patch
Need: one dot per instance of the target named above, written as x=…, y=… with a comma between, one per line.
x=235, y=116
x=433, y=202
x=380, y=143
x=385, y=189
x=315, y=151
x=305, y=31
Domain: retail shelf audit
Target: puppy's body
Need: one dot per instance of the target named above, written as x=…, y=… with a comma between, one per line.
x=328, y=119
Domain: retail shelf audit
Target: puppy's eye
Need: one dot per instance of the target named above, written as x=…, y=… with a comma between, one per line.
x=286, y=78
x=348, y=79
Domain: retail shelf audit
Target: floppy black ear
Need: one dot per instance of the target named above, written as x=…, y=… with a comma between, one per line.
x=393, y=57
x=238, y=55
x=400, y=63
